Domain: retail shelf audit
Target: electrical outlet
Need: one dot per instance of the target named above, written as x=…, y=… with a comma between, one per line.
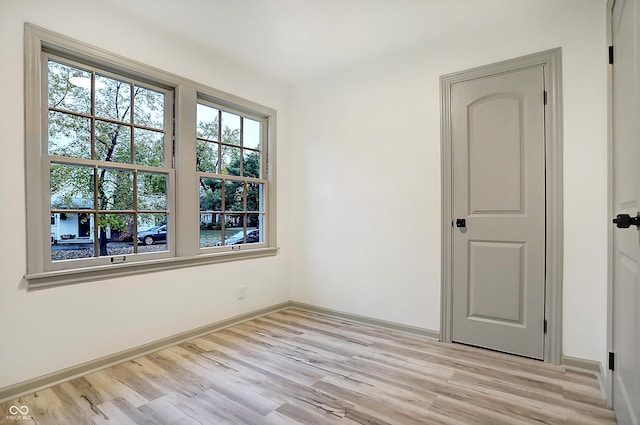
x=241, y=292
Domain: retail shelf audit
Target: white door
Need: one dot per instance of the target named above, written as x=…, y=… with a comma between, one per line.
x=626, y=200
x=498, y=172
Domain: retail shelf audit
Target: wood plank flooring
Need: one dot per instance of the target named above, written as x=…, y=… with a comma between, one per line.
x=298, y=367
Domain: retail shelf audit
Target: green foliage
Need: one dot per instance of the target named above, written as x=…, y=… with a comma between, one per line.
x=208, y=129
x=210, y=194
x=69, y=181
x=234, y=192
x=115, y=189
x=62, y=94
x=253, y=197
x=117, y=222
x=231, y=161
x=231, y=136
x=206, y=157
x=252, y=165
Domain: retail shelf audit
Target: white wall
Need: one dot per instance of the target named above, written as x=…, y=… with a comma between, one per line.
x=366, y=172
x=47, y=330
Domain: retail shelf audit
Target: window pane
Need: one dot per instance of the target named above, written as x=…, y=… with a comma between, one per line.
x=69, y=135
x=255, y=228
x=234, y=195
x=116, y=234
x=152, y=191
x=230, y=161
x=148, y=147
x=250, y=133
x=207, y=119
x=207, y=157
x=69, y=88
x=148, y=108
x=251, y=164
x=230, y=128
x=113, y=99
x=113, y=142
x=210, y=194
x=152, y=232
x=210, y=230
x=71, y=187
x=234, y=229
x=255, y=197
x=115, y=189
x=72, y=236
x=235, y=236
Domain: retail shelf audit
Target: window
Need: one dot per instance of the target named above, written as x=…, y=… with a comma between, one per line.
x=119, y=179
x=230, y=169
x=108, y=151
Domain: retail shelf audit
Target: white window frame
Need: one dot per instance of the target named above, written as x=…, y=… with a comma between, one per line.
x=184, y=249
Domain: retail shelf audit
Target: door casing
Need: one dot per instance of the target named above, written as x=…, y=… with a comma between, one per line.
x=551, y=60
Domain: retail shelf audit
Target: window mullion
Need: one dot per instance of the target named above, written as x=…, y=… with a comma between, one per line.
x=186, y=193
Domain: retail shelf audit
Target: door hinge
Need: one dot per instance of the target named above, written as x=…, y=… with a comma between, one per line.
x=544, y=326
x=612, y=361
x=544, y=97
x=610, y=55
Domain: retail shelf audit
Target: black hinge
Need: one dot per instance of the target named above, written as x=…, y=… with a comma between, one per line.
x=544, y=97
x=612, y=361
x=544, y=326
x=610, y=55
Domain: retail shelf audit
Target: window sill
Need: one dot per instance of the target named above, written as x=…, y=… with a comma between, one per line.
x=90, y=274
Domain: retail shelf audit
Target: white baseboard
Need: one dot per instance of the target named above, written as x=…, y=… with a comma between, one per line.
x=414, y=330
x=588, y=366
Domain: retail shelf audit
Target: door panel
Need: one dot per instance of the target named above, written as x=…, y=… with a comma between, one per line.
x=499, y=188
x=484, y=259
x=626, y=200
x=491, y=191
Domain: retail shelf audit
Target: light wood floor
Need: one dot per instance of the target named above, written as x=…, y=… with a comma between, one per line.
x=297, y=367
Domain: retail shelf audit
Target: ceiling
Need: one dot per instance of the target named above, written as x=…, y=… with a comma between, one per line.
x=296, y=39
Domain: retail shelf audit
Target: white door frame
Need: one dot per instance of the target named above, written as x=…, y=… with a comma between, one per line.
x=551, y=60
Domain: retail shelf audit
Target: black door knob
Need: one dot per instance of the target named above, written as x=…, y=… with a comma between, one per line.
x=461, y=222
x=624, y=221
